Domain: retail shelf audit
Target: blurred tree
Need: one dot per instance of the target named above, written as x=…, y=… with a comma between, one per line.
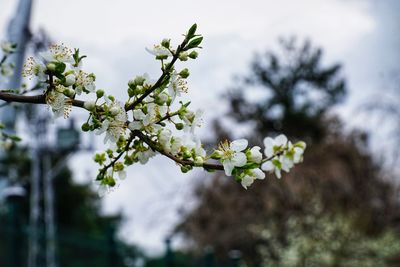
x=85, y=237
x=293, y=93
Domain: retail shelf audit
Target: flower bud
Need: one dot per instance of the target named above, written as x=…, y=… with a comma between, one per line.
x=139, y=80
x=161, y=99
x=132, y=83
x=183, y=56
x=186, y=168
x=179, y=126
x=85, y=127
x=166, y=43
x=70, y=79
x=99, y=93
x=184, y=73
x=51, y=67
x=114, y=111
x=193, y=54
x=216, y=154
x=198, y=161
x=69, y=92
x=89, y=105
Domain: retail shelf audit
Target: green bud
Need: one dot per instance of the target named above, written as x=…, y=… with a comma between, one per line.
x=187, y=154
x=139, y=80
x=51, y=66
x=186, y=168
x=161, y=99
x=118, y=166
x=166, y=43
x=112, y=98
x=85, y=127
x=99, y=93
x=183, y=56
x=179, y=126
x=216, y=154
x=100, y=158
x=184, y=73
x=193, y=54
x=131, y=92
x=110, y=181
x=132, y=84
x=69, y=92
x=161, y=57
x=198, y=161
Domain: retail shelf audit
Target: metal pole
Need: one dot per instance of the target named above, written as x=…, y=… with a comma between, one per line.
x=33, y=249
x=49, y=211
x=169, y=256
x=111, y=248
x=14, y=197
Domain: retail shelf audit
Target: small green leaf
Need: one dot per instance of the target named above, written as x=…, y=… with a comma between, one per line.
x=194, y=43
x=191, y=31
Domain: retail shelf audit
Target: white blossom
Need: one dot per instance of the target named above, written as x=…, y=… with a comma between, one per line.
x=271, y=145
x=254, y=154
x=250, y=176
x=114, y=126
x=159, y=51
x=59, y=104
x=84, y=81
x=232, y=155
x=177, y=85
x=58, y=53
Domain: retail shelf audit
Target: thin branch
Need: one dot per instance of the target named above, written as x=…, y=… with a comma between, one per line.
x=105, y=168
x=153, y=146
x=165, y=74
x=34, y=99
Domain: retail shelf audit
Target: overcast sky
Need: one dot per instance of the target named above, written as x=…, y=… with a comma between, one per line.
x=363, y=35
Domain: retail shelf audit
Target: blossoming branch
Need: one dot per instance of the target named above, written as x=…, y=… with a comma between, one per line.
x=150, y=121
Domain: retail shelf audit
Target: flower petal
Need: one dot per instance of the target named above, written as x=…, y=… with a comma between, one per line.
x=258, y=174
x=247, y=181
x=228, y=167
x=268, y=166
x=281, y=140
x=239, y=159
x=239, y=145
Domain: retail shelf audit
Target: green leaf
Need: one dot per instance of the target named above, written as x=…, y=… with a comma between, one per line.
x=191, y=31
x=60, y=67
x=194, y=43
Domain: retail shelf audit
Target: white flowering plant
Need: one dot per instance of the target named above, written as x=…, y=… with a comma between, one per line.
x=151, y=120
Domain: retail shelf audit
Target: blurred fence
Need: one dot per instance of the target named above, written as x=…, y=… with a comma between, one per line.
x=76, y=249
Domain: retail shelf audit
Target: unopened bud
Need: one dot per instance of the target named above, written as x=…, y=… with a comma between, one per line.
x=51, y=67
x=69, y=80
x=166, y=43
x=99, y=93
x=184, y=73
x=89, y=105
x=85, y=127
x=193, y=54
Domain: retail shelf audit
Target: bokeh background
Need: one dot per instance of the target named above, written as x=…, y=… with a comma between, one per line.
x=326, y=72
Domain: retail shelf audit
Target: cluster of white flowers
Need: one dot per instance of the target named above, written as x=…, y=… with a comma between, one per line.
x=60, y=67
x=150, y=120
x=248, y=164
x=282, y=154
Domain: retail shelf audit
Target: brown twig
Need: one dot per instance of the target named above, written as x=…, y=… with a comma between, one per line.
x=153, y=146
